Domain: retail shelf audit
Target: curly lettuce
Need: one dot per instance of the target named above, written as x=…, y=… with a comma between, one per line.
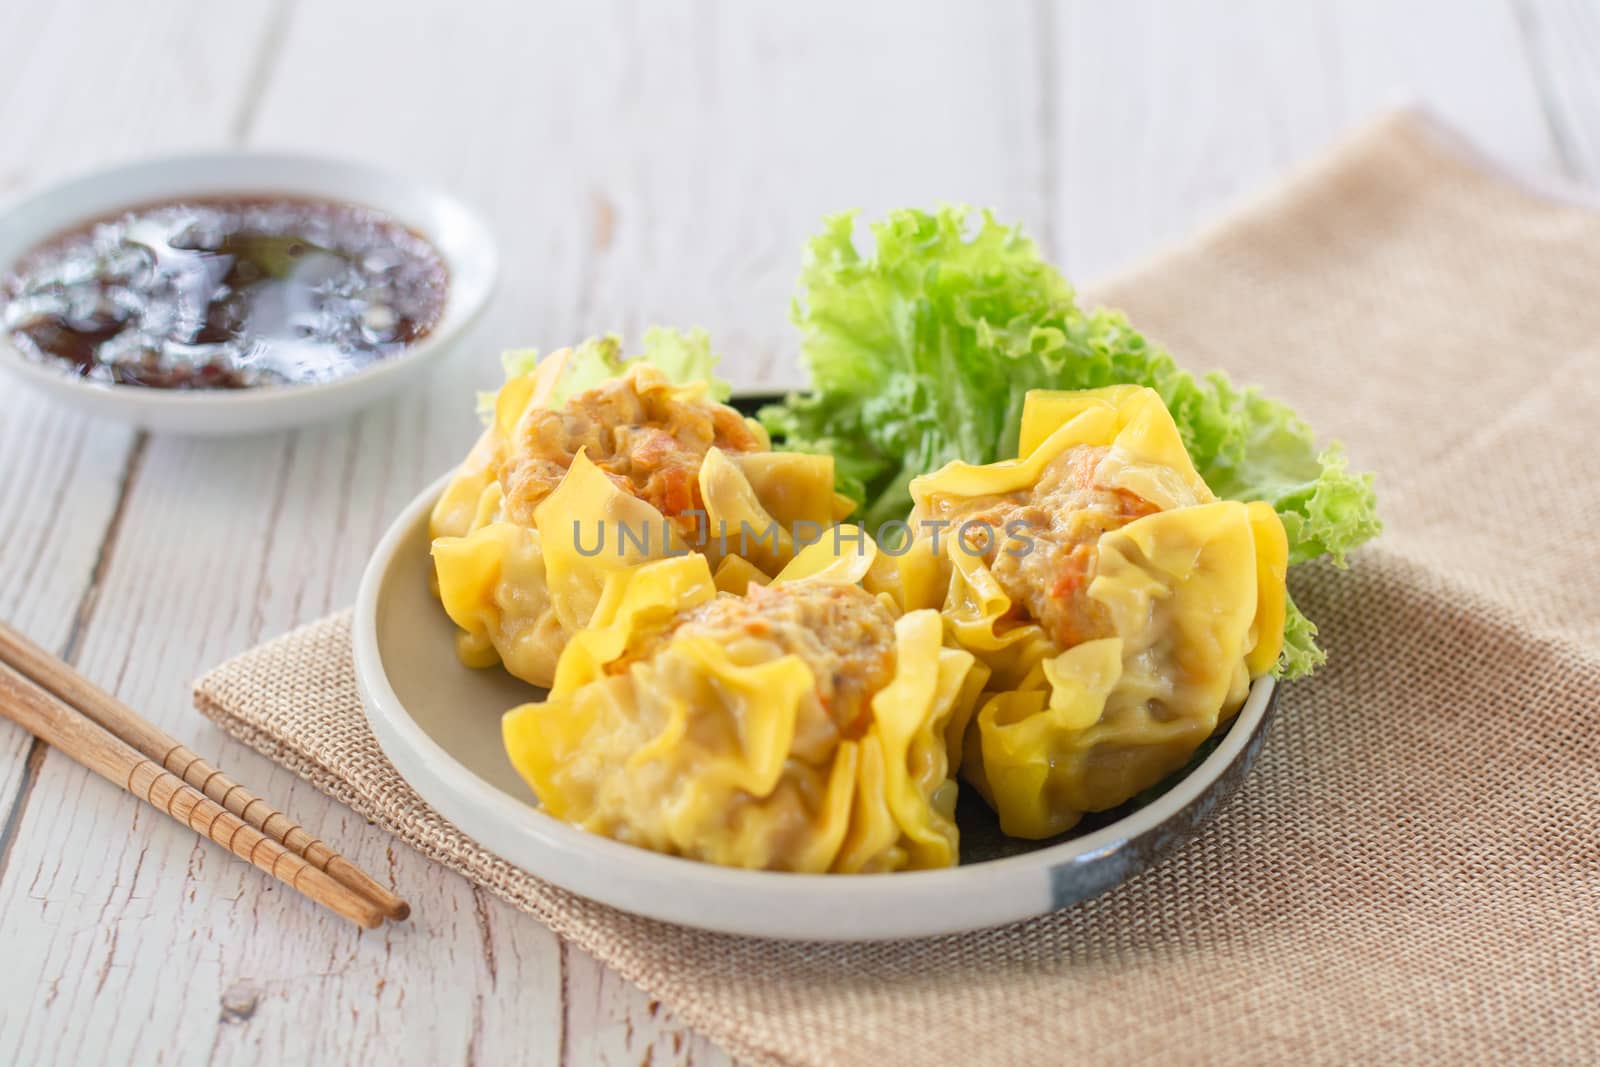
x=922, y=352
x=682, y=355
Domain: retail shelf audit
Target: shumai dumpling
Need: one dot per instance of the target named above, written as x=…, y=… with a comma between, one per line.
x=556, y=495
x=804, y=726
x=1121, y=608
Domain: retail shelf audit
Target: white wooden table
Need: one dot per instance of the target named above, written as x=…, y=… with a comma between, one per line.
x=641, y=163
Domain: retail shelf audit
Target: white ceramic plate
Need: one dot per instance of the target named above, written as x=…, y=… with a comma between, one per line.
x=457, y=233
x=439, y=723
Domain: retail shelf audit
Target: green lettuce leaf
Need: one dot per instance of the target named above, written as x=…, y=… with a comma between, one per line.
x=684, y=356
x=923, y=351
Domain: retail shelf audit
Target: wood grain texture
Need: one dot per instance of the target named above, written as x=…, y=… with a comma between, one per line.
x=159, y=626
x=640, y=163
x=88, y=700
x=647, y=190
x=1562, y=39
x=144, y=80
x=1215, y=124
x=53, y=522
x=61, y=477
x=73, y=735
x=1227, y=95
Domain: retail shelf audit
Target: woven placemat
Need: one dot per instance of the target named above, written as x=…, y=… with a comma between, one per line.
x=1412, y=874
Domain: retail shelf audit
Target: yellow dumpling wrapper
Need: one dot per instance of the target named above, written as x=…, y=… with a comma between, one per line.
x=518, y=594
x=518, y=597
x=1114, y=716
x=721, y=749
x=737, y=519
x=453, y=513
x=592, y=529
x=977, y=612
x=1188, y=604
x=1272, y=590
x=845, y=554
x=1147, y=456
x=794, y=488
x=911, y=576
x=492, y=584
x=735, y=574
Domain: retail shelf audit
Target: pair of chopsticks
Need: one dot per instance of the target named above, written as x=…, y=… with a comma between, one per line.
x=65, y=710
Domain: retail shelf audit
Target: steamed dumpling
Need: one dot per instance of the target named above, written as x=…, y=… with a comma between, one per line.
x=1121, y=609
x=804, y=726
x=554, y=497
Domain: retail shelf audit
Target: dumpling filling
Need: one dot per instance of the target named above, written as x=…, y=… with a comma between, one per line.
x=1121, y=609
x=559, y=493
x=1045, y=541
x=804, y=726
x=647, y=436
x=842, y=632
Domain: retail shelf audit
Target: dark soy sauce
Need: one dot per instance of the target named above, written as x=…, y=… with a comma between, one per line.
x=225, y=294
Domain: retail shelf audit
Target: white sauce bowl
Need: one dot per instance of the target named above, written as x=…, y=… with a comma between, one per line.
x=456, y=232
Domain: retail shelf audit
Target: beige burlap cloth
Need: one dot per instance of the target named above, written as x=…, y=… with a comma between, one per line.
x=1413, y=872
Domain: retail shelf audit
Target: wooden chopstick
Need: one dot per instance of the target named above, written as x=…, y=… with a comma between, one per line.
x=112, y=716
x=59, y=726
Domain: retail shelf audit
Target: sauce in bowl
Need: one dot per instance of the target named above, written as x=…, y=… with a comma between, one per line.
x=225, y=293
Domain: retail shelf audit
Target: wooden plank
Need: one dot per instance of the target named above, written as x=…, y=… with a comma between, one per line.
x=641, y=164
x=732, y=136
x=642, y=191
x=83, y=84
x=673, y=175
x=1561, y=38
x=53, y=515
x=1225, y=97
x=222, y=544
x=610, y=1023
